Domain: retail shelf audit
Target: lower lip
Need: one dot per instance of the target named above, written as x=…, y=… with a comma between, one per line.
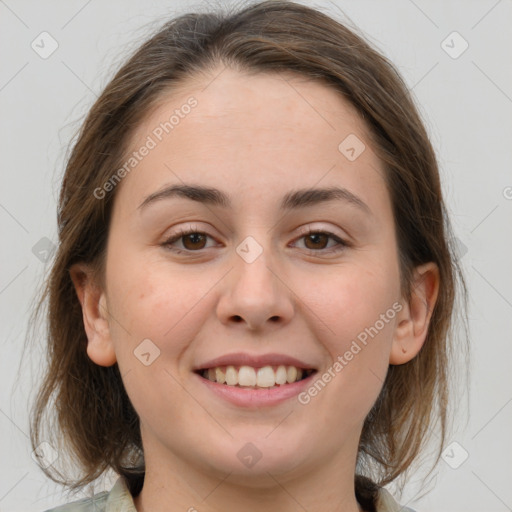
x=261, y=397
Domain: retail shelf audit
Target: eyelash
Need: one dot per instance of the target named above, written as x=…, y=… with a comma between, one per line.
x=184, y=232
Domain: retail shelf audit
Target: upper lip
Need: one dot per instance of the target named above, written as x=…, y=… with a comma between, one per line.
x=256, y=361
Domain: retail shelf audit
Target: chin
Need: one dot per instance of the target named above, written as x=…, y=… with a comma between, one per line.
x=252, y=460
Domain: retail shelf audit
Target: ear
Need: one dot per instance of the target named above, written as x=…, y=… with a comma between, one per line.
x=100, y=348
x=413, y=320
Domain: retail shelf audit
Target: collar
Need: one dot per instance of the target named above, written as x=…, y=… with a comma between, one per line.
x=120, y=500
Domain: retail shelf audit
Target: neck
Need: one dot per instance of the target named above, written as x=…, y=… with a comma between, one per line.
x=176, y=485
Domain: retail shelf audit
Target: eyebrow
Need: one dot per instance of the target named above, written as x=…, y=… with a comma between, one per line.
x=291, y=201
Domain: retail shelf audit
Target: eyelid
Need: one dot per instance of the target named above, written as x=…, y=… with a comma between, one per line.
x=322, y=229
x=184, y=231
x=341, y=240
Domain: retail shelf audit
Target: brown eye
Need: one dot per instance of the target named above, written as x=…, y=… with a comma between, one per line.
x=191, y=241
x=195, y=241
x=318, y=240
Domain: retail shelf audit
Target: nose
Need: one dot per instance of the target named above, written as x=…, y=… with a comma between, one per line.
x=255, y=294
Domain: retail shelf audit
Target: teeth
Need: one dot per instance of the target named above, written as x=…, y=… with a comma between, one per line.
x=231, y=376
x=247, y=376
x=291, y=374
x=266, y=377
x=281, y=375
x=220, y=376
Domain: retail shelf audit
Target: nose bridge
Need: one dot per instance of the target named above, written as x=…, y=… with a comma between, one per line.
x=255, y=292
x=253, y=263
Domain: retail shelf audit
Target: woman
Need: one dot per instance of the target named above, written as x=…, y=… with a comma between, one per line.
x=252, y=295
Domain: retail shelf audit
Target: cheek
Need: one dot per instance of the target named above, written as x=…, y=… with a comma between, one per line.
x=358, y=343
x=153, y=300
x=157, y=314
x=353, y=300
x=358, y=311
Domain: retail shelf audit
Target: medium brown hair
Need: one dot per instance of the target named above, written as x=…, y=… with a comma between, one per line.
x=94, y=416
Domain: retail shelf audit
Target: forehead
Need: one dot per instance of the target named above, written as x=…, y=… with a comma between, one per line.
x=255, y=134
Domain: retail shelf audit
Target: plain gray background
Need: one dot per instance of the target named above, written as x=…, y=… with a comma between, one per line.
x=466, y=101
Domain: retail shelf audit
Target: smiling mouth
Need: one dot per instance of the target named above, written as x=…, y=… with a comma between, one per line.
x=266, y=377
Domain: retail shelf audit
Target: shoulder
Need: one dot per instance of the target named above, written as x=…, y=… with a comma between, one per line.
x=96, y=504
x=386, y=503
x=118, y=499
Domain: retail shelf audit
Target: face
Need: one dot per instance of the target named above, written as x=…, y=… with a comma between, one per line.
x=265, y=279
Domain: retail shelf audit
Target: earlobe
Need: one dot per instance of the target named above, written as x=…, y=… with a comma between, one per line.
x=100, y=347
x=414, y=318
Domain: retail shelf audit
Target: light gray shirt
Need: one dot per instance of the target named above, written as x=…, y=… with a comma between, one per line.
x=119, y=499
